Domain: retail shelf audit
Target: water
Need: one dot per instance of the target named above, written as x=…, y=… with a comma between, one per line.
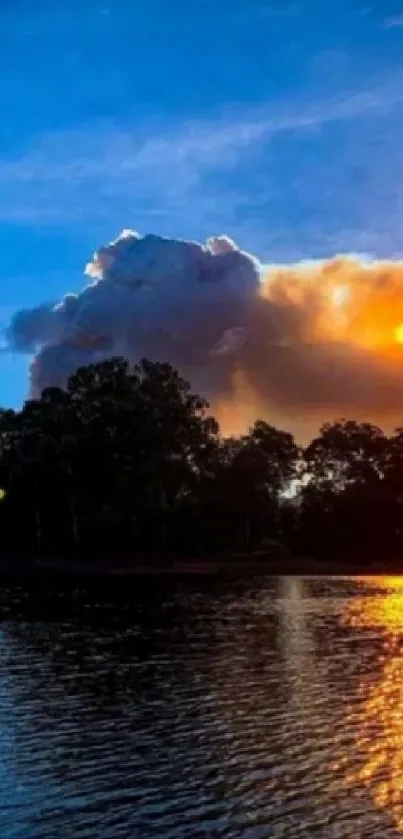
x=266, y=708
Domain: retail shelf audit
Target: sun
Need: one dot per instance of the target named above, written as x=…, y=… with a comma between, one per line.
x=399, y=333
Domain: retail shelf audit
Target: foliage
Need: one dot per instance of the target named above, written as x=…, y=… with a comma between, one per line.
x=128, y=461
x=347, y=505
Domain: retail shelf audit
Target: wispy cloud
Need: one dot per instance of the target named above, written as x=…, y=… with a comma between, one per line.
x=394, y=22
x=86, y=173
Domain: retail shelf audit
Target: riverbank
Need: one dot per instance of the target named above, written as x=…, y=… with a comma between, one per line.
x=236, y=566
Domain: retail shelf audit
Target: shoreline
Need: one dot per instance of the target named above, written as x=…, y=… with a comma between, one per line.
x=252, y=566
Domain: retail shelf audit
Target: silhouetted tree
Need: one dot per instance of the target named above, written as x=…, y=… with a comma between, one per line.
x=107, y=463
x=242, y=494
x=342, y=505
x=127, y=460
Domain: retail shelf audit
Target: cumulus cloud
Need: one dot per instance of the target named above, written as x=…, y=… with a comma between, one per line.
x=148, y=296
x=314, y=340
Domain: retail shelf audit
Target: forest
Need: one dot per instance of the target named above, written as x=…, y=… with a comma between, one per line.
x=127, y=461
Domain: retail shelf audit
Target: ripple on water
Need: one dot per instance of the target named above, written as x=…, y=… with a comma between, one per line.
x=270, y=708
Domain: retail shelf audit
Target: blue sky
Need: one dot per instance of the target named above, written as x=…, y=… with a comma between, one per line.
x=279, y=123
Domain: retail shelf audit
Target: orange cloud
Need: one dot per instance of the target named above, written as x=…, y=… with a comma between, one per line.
x=326, y=341
x=343, y=299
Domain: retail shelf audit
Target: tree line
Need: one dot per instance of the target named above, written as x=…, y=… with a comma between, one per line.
x=126, y=461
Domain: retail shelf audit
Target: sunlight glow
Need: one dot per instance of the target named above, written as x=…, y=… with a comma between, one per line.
x=339, y=295
x=376, y=763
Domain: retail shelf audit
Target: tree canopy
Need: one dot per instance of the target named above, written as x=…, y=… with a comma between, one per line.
x=128, y=461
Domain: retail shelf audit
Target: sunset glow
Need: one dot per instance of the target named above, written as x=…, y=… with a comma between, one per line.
x=344, y=299
x=377, y=761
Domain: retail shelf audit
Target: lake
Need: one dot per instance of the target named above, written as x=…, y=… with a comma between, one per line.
x=270, y=707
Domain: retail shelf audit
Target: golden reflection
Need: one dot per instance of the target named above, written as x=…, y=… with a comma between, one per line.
x=377, y=716
x=382, y=582
x=382, y=609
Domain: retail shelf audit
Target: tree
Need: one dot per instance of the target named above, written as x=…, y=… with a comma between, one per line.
x=107, y=463
x=346, y=452
x=127, y=461
x=342, y=504
x=243, y=493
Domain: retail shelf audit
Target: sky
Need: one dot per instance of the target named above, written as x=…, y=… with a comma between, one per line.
x=278, y=123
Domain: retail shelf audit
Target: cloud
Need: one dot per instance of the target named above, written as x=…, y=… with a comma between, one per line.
x=95, y=171
x=307, y=341
x=393, y=22
x=163, y=298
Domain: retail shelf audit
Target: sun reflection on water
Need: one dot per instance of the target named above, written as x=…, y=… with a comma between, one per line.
x=380, y=608
x=377, y=717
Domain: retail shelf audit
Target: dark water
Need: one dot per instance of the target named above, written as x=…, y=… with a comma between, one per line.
x=271, y=708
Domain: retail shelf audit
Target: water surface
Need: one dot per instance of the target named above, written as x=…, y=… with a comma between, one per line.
x=264, y=708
